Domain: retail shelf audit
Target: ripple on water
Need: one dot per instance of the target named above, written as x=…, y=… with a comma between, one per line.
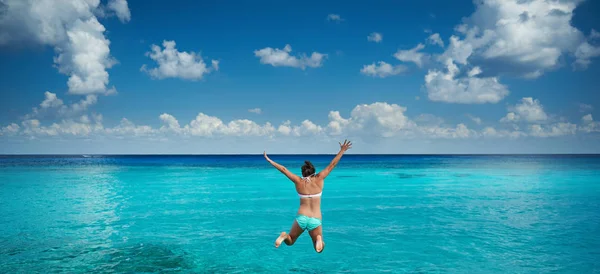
x=145, y=258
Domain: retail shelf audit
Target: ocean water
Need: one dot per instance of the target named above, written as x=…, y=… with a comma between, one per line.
x=221, y=214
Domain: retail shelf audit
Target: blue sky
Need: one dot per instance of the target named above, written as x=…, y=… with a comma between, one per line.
x=122, y=76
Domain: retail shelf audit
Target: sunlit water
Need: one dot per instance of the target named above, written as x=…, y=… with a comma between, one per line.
x=221, y=214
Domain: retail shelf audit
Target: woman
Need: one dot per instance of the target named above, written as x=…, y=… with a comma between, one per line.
x=309, y=188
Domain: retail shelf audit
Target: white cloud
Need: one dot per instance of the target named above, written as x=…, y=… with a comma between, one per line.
x=121, y=9
x=82, y=127
x=255, y=110
x=589, y=125
x=461, y=131
x=285, y=128
x=127, y=128
x=366, y=121
x=336, y=123
x=385, y=120
x=52, y=105
x=554, y=130
x=9, y=130
x=170, y=123
x=527, y=109
x=584, y=53
x=412, y=55
x=84, y=104
x=375, y=37
x=474, y=72
x=306, y=128
x=382, y=69
x=490, y=132
x=475, y=119
x=334, y=17
x=282, y=57
x=459, y=51
x=51, y=100
x=435, y=39
x=531, y=110
x=510, y=117
x=524, y=38
x=71, y=27
x=175, y=64
x=381, y=119
x=207, y=126
x=446, y=87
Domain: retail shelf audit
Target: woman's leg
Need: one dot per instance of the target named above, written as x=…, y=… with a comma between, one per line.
x=317, y=238
x=290, y=238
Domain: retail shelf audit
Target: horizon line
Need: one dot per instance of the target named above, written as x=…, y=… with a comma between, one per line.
x=289, y=154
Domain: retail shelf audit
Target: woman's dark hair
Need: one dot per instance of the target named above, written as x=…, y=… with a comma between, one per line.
x=307, y=169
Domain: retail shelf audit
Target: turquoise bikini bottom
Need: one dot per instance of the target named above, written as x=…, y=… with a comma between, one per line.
x=306, y=222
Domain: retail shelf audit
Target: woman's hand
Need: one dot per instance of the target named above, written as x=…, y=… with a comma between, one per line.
x=266, y=157
x=345, y=146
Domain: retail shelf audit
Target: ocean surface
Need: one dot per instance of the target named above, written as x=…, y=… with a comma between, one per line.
x=222, y=214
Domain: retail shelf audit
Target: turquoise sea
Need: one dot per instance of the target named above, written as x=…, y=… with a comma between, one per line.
x=221, y=214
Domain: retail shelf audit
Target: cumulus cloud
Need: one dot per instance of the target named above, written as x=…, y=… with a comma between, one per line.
x=334, y=17
x=528, y=109
x=375, y=37
x=523, y=38
x=282, y=58
x=412, y=55
x=554, y=130
x=53, y=106
x=381, y=119
x=382, y=69
x=367, y=120
x=435, y=39
x=170, y=123
x=306, y=128
x=470, y=89
x=176, y=64
x=83, y=126
x=255, y=110
x=589, y=125
x=461, y=131
x=72, y=29
x=490, y=132
x=584, y=53
x=385, y=120
x=285, y=128
x=121, y=8
x=9, y=130
x=208, y=126
x=127, y=128
x=475, y=119
x=510, y=117
x=51, y=100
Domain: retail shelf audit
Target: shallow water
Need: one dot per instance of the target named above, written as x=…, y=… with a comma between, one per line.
x=221, y=214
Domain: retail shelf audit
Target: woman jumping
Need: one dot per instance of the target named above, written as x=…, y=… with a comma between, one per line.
x=309, y=188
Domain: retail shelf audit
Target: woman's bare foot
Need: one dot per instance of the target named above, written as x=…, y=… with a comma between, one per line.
x=319, y=245
x=280, y=239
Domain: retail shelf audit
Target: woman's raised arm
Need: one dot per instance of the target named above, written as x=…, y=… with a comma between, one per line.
x=343, y=148
x=295, y=178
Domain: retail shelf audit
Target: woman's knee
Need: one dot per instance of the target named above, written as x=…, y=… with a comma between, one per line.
x=291, y=240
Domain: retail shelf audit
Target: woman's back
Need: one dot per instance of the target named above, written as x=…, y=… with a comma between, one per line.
x=309, y=192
